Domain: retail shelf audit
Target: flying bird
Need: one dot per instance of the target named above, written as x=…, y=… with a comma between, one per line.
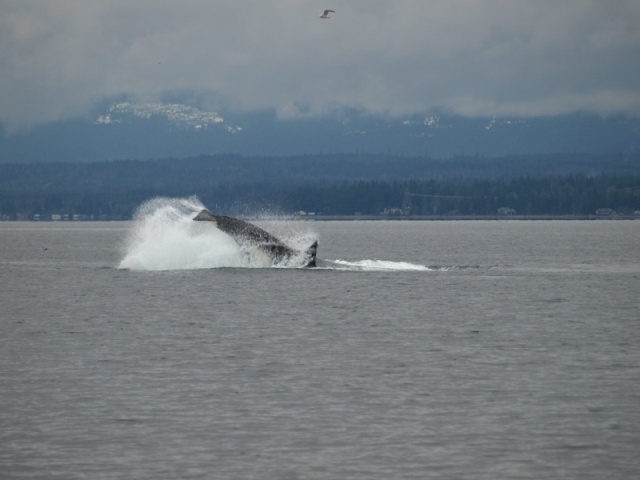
x=326, y=13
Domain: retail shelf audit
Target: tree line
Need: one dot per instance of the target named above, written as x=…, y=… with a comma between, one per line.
x=327, y=184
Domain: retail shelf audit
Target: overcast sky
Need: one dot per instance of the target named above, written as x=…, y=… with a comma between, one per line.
x=475, y=57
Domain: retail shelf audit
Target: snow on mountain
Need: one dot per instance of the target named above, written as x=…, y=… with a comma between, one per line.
x=129, y=130
x=178, y=114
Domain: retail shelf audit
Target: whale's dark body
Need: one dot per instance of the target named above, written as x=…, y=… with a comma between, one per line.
x=243, y=232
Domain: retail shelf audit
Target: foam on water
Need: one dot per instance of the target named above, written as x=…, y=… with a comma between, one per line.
x=378, y=266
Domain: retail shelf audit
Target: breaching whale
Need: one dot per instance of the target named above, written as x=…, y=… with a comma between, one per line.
x=246, y=233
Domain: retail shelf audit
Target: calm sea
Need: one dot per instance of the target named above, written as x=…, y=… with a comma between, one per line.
x=446, y=350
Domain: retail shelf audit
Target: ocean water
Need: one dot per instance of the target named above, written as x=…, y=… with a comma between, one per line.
x=446, y=350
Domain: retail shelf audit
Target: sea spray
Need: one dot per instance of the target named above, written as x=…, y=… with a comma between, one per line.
x=164, y=237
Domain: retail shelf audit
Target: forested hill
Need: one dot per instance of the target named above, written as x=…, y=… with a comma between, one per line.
x=331, y=184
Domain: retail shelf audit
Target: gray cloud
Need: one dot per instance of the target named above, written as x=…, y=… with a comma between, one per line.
x=475, y=57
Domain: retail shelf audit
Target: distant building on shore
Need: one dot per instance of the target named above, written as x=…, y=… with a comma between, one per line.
x=506, y=211
x=605, y=212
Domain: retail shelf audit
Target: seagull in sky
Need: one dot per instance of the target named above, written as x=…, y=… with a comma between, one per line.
x=326, y=13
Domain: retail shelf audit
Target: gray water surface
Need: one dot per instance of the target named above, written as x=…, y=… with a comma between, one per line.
x=514, y=355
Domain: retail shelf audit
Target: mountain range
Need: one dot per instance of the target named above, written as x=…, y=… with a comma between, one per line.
x=142, y=131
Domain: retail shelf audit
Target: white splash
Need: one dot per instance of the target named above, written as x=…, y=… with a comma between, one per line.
x=164, y=237
x=379, y=266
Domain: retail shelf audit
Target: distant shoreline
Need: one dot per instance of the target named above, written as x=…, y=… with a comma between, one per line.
x=440, y=218
x=393, y=218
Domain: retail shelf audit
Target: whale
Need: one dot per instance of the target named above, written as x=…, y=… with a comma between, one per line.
x=246, y=234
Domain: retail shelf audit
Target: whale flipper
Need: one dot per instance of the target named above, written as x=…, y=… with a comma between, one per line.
x=243, y=232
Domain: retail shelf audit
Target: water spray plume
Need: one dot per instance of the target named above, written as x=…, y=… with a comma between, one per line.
x=164, y=237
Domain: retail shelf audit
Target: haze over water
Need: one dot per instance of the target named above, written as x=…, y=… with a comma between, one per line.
x=422, y=350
